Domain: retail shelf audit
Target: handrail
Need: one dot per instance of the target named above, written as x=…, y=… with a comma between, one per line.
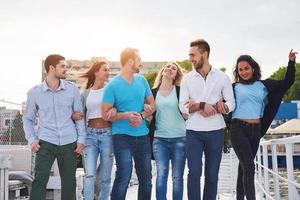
x=287, y=140
x=280, y=177
x=263, y=171
x=265, y=192
x=9, y=102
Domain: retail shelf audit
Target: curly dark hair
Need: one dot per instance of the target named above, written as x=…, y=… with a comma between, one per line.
x=255, y=66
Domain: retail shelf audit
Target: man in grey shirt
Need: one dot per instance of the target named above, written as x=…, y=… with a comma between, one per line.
x=59, y=137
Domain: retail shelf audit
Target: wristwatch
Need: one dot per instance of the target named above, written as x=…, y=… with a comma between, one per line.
x=142, y=116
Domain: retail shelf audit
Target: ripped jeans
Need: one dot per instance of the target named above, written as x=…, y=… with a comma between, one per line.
x=98, y=144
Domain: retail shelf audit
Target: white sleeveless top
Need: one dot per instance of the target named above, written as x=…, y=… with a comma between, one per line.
x=93, y=104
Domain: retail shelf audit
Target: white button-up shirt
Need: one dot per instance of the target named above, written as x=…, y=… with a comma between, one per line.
x=215, y=88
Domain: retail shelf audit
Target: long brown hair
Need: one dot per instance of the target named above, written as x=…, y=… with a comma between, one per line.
x=90, y=74
x=177, y=79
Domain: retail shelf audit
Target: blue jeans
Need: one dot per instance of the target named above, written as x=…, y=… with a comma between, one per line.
x=125, y=148
x=98, y=143
x=211, y=143
x=165, y=149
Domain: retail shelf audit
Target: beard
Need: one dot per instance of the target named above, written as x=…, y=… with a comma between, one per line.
x=135, y=68
x=199, y=64
x=61, y=76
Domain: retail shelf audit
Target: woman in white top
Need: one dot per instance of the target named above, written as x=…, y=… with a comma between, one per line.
x=99, y=139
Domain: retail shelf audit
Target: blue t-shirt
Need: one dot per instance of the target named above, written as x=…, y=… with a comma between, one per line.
x=250, y=100
x=126, y=97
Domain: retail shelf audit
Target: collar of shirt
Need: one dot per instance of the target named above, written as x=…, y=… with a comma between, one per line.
x=195, y=73
x=60, y=87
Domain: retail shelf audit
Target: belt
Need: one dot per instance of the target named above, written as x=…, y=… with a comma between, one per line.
x=241, y=122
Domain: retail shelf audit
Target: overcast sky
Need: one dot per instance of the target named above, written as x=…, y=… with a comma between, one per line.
x=161, y=29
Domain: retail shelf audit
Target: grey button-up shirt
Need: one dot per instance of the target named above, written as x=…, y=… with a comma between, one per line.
x=54, y=110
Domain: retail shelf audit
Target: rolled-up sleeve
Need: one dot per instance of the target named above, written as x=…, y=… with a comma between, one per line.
x=29, y=117
x=228, y=94
x=77, y=107
x=184, y=96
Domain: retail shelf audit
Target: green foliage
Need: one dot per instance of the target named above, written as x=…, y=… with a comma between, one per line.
x=150, y=76
x=223, y=69
x=185, y=65
x=294, y=92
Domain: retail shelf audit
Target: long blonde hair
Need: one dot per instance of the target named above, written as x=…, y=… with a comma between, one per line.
x=177, y=79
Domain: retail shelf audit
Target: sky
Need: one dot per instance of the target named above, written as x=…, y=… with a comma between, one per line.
x=30, y=30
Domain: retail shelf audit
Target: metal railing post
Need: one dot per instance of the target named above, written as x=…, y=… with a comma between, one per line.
x=275, y=169
x=290, y=171
x=266, y=164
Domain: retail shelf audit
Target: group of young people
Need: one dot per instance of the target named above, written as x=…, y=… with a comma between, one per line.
x=108, y=121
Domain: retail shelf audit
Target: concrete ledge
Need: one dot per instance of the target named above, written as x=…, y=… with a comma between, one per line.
x=5, y=161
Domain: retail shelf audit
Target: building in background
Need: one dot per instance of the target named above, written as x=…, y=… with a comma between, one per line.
x=7, y=116
x=78, y=67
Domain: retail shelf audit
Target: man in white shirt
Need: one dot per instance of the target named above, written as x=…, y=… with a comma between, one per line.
x=206, y=93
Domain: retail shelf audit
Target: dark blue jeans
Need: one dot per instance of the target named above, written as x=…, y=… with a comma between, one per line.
x=164, y=150
x=245, y=139
x=211, y=143
x=125, y=148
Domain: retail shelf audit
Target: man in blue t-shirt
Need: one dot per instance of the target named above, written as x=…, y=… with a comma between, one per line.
x=128, y=92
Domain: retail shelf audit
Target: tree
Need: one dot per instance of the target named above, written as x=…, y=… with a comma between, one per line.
x=185, y=65
x=150, y=76
x=223, y=69
x=294, y=92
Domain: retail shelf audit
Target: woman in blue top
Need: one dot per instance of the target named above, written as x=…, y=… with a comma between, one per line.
x=256, y=105
x=168, y=129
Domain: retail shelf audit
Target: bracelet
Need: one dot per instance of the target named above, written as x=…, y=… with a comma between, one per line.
x=142, y=116
x=201, y=105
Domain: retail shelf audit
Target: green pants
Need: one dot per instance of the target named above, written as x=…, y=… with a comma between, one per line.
x=66, y=159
